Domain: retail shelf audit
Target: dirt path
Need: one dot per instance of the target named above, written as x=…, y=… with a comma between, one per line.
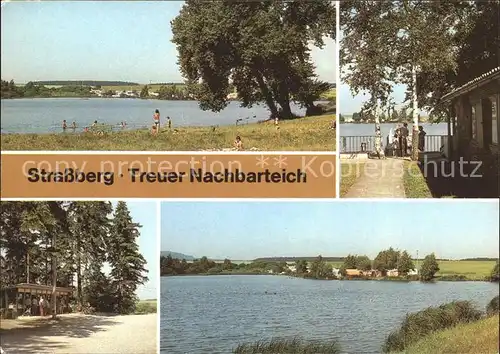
x=378, y=179
x=79, y=334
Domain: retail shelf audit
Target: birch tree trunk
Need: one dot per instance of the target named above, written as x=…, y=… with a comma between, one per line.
x=414, y=101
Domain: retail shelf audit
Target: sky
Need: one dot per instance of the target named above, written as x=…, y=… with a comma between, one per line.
x=145, y=213
x=248, y=230
x=100, y=40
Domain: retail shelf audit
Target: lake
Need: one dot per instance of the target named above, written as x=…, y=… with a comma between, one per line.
x=213, y=314
x=354, y=129
x=358, y=130
x=45, y=115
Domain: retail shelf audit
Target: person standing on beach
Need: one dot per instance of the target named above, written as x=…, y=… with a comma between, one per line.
x=64, y=125
x=169, y=123
x=156, y=120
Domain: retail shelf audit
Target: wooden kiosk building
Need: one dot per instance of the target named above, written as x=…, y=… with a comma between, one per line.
x=14, y=300
x=473, y=133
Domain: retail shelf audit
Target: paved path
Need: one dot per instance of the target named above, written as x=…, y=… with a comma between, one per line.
x=79, y=334
x=378, y=179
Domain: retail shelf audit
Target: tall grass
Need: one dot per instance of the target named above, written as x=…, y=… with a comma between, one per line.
x=467, y=338
x=420, y=324
x=288, y=346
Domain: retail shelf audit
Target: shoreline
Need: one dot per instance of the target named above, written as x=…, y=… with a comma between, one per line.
x=382, y=279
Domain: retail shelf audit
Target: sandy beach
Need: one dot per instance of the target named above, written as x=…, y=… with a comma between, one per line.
x=78, y=334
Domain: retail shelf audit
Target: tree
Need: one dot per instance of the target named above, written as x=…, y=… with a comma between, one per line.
x=475, y=56
x=90, y=227
x=301, y=266
x=356, y=116
x=405, y=263
x=144, y=92
x=386, y=260
x=320, y=269
x=350, y=262
x=363, y=263
x=48, y=243
x=227, y=265
x=429, y=267
x=395, y=116
x=495, y=272
x=127, y=263
x=389, y=42
x=260, y=48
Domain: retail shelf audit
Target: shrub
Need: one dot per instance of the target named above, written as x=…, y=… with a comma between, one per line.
x=288, y=346
x=495, y=272
x=419, y=324
x=493, y=307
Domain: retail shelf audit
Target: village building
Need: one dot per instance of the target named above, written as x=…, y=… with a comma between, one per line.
x=392, y=273
x=353, y=273
x=336, y=272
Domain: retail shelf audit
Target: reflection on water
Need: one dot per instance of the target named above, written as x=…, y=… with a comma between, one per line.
x=213, y=314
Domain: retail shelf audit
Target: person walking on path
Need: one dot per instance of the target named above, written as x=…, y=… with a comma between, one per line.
x=156, y=120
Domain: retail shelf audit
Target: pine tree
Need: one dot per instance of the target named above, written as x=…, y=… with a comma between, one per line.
x=128, y=265
x=90, y=226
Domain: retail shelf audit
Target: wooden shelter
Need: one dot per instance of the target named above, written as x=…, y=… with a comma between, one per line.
x=14, y=300
x=473, y=133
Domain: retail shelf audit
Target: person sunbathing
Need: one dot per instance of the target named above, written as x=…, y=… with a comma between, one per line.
x=238, y=144
x=154, y=129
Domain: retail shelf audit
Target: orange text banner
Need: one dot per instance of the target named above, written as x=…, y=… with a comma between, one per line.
x=168, y=176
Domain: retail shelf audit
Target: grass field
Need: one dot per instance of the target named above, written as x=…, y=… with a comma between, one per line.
x=146, y=306
x=414, y=182
x=478, y=337
x=350, y=172
x=302, y=134
x=475, y=270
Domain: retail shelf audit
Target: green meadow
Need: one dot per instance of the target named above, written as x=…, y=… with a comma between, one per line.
x=301, y=134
